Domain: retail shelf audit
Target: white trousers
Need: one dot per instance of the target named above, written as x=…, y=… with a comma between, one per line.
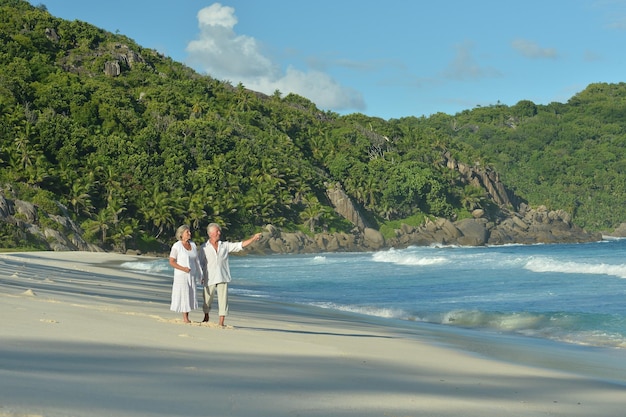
x=222, y=298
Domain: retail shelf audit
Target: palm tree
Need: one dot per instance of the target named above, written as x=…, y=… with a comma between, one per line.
x=243, y=98
x=37, y=172
x=115, y=207
x=79, y=196
x=111, y=182
x=371, y=187
x=122, y=232
x=473, y=197
x=25, y=154
x=195, y=210
x=312, y=213
x=261, y=203
x=197, y=109
x=387, y=211
x=301, y=188
x=98, y=225
x=158, y=209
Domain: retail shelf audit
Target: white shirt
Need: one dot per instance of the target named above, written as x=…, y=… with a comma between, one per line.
x=215, y=268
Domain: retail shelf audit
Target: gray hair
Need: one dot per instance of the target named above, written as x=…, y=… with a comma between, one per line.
x=181, y=230
x=213, y=226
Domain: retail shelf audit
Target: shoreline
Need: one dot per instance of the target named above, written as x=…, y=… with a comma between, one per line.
x=107, y=334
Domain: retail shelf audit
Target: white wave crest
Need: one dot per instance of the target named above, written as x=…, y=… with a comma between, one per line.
x=366, y=310
x=151, y=267
x=499, y=321
x=404, y=258
x=553, y=265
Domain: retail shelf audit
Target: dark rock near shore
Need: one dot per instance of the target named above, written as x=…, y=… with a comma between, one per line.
x=535, y=226
x=619, y=232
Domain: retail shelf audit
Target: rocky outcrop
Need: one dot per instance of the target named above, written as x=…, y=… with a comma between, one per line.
x=112, y=68
x=619, y=232
x=534, y=226
x=52, y=35
x=484, y=178
x=55, y=232
x=277, y=241
x=124, y=58
x=344, y=206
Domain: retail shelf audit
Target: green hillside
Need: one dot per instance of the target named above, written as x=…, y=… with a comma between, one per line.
x=134, y=144
x=570, y=156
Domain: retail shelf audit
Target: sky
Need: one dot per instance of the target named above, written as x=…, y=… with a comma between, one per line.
x=387, y=59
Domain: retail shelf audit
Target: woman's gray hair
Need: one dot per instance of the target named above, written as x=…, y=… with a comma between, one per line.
x=181, y=230
x=213, y=226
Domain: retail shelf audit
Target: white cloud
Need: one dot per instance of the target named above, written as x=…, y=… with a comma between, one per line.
x=464, y=66
x=591, y=56
x=532, y=50
x=225, y=55
x=221, y=52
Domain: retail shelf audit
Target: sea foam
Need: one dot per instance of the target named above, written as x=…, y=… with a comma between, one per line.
x=554, y=265
x=406, y=258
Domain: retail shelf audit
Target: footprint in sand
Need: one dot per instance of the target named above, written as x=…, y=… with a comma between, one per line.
x=193, y=323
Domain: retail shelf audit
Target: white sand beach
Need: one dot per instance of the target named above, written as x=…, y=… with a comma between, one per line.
x=82, y=337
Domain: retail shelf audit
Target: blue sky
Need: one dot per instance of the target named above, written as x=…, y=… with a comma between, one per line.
x=388, y=59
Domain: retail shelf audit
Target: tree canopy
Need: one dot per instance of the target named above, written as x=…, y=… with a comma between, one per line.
x=134, y=144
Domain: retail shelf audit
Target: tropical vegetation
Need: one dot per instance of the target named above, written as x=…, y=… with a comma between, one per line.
x=130, y=144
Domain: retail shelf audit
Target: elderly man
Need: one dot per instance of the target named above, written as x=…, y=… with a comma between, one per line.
x=213, y=256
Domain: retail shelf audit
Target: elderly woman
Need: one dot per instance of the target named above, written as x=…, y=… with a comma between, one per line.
x=184, y=260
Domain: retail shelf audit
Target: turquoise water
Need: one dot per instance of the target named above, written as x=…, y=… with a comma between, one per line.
x=575, y=293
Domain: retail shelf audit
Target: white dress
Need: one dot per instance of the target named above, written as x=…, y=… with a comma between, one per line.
x=184, y=286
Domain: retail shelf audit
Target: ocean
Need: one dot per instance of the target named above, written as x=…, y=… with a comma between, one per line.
x=568, y=295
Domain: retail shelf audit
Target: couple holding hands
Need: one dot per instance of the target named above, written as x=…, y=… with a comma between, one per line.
x=210, y=263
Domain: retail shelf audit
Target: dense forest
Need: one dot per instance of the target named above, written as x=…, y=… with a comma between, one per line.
x=131, y=144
